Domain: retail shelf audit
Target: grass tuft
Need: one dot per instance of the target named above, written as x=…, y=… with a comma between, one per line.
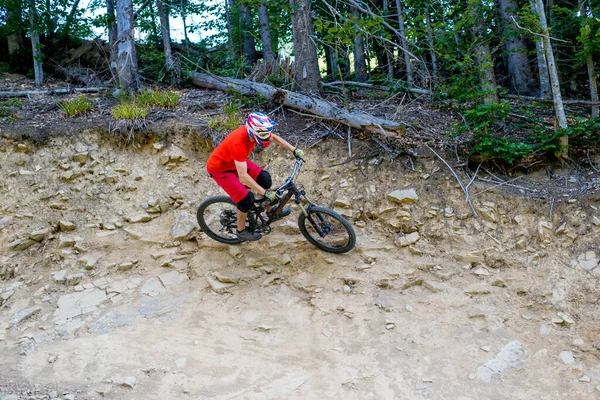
x=129, y=111
x=75, y=107
x=127, y=119
x=158, y=98
x=231, y=121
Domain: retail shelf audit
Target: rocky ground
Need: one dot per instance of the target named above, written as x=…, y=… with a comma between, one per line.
x=108, y=289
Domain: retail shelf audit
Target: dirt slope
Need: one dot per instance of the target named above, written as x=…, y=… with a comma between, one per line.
x=100, y=301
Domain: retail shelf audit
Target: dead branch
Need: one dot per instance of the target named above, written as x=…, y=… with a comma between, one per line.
x=27, y=93
x=463, y=187
x=542, y=100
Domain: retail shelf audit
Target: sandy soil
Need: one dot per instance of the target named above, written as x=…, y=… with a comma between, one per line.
x=432, y=303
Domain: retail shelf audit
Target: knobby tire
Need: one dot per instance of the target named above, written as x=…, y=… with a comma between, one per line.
x=200, y=216
x=315, y=239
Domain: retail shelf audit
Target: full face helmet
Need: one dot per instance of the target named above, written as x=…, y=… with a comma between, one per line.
x=260, y=128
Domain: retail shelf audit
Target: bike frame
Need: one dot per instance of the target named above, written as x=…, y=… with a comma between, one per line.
x=290, y=190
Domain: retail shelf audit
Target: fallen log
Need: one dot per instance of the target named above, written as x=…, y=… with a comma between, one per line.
x=542, y=100
x=307, y=104
x=27, y=93
x=374, y=87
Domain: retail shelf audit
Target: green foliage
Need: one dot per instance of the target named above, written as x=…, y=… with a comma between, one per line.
x=157, y=98
x=491, y=138
x=8, y=108
x=152, y=65
x=129, y=111
x=231, y=121
x=12, y=103
x=496, y=135
x=75, y=107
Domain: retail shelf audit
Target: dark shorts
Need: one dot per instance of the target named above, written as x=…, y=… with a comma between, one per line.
x=231, y=184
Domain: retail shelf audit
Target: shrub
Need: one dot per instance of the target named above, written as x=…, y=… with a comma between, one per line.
x=75, y=107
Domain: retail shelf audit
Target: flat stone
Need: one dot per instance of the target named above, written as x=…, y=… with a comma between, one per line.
x=73, y=279
x=403, y=196
x=566, y=357
x=66, y=226
x=217, y=285
x=67, y=241
x=133, y=233
x=172, y=278
x=60, y=276
x=39, y=235
x=153, y=287
x=21, y=244
x=235, y=251
x=588, y=260
x=89, y=261
x=92, y=298
x=22, y=315
x=125, y=266
x=139, y=218
x=342, y=202
x=180, y=362
x=117, y=287
x=226, y=278
x=128, y=381
x=510, y=356
x=184, y=226
x=480, y=271
x=407, y=240
x=433, y=286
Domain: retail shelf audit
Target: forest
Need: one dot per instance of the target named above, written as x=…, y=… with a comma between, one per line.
x=521, y=76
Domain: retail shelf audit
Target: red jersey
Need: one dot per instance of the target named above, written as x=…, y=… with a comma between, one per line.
x=237, y=146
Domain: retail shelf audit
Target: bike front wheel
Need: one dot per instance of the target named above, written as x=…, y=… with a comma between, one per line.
x=327, y=230
x=217, y=218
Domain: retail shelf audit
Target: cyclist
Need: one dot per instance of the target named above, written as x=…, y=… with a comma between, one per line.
x=230, y=167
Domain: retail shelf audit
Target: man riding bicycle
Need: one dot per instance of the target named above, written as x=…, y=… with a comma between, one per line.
x=230, y=167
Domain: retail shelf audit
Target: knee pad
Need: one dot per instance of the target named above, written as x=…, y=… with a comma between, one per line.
x=246, y=203
x=264, y=179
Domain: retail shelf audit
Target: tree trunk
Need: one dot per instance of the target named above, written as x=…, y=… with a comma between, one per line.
x=183, y=5
x=249, y=45
x=229, y=7
x=360, y=66
x=483, y=55
x=127, y=69
x=593, y=85
x=434, y=65
x=112, y=33
x=583, y=13
x=389, y=51
x=14, y=37
x=265, y=32
x=306, y=65
x=69, y=21
x=35, y=44
x=307, y=104
x=542, y=63
x=166, y=36
x=556, y=95
x=407, y=62
x=521, y=77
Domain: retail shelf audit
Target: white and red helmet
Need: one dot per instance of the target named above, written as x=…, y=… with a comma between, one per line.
x=260, y=128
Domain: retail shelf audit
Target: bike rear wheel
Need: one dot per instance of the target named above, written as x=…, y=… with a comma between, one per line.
x=327, y=230
x=217, y=218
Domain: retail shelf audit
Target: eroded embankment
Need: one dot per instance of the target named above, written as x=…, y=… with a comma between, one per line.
x=100, y=248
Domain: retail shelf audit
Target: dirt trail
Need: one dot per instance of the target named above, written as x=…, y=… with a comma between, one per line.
x=100, y=300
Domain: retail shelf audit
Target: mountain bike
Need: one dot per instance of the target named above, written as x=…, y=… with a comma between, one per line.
x=322, y=227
